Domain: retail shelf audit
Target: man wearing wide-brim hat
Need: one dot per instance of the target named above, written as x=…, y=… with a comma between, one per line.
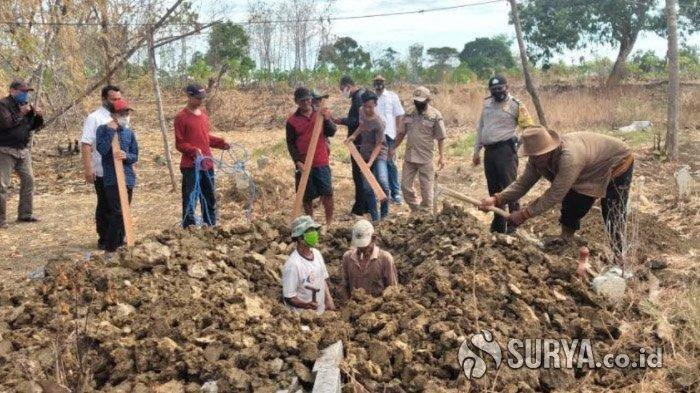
x=581, y=167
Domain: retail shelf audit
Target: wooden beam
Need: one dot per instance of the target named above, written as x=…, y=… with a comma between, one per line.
x=366, y=172
x=123, y=194
x=310, y=153
x=473, y=201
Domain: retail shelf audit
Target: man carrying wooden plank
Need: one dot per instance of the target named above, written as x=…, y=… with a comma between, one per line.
x=92, y=161
x=129, y=155
x=581, y=167
x=299, y=129
x=193, y=139
x=500, y=118
x=421, y=127
x=367, y=266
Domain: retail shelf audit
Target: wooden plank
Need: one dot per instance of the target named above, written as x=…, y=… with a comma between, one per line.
x=310, y=153
x=366, y=172
x=473, y=201
x=123, y=195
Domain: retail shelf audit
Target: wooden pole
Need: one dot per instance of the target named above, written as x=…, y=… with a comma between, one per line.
x=473, y=201
x=159, y=105
x=123, y=194
x=310, y=153
x=671, y=144
x=367, y=172
x=529, y=84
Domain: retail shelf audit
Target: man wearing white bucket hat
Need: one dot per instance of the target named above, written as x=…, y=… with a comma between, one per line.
x=367, y=266
x=581, y=167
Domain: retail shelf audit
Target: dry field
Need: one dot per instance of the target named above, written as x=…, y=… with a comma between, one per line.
x=662, y=306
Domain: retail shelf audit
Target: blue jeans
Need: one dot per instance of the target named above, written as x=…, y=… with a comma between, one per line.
x=393, y=171
x=380, y=171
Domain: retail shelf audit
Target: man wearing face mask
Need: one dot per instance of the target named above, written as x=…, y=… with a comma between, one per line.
x=421, y=127
x=304, y=275
x=92, y=161
x=367, y=266
x=501, y=116
x=129, y=154
x=18, y=119
x=390, y=110
x=352, y=121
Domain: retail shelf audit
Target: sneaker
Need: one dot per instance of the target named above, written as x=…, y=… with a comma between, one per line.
x=397, y=200
x=28, y=219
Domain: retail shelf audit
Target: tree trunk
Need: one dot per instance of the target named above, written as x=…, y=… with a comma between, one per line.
x=671, y=145
x=620, y=66
x=529, y=84
x=153, y=68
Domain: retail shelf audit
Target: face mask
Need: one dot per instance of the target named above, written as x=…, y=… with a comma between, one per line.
x=420, y=106
x=499, y=96
x=21, y=97
x=311, y=238
x=379, y=86
x=124, y=121
x=346, y=92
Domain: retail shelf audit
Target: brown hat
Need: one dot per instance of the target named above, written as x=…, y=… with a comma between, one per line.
x=421, y=94
x=538, y=140
x=379, y=77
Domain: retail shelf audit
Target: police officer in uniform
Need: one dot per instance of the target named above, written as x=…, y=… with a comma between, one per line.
x=496, y=132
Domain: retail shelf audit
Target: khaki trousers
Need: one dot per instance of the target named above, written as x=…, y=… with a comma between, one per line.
x=426, y=177
x=19, y=161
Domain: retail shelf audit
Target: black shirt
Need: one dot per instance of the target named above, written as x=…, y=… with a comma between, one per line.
x=352, y=121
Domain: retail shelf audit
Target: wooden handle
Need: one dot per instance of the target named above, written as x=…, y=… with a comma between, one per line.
x=310, y=153
x=366, y=172
x=473, y=201
x=123, y=195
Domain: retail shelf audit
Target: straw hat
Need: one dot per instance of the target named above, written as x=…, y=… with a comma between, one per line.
x=538, y=140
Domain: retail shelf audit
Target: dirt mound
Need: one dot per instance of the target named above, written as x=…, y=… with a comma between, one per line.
x=186, y=307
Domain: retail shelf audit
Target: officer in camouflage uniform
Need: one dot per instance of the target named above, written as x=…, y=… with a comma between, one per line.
x=501, y=116
x=421, y=127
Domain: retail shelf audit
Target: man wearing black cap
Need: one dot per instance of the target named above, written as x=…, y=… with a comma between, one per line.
x=352, y=121
x=501, y=116
x=18, y=119
x=300, y=126
x=193, y=139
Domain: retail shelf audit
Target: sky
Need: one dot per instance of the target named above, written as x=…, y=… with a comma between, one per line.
x=440, y=28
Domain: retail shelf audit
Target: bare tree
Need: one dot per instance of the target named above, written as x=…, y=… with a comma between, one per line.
x=671, y=145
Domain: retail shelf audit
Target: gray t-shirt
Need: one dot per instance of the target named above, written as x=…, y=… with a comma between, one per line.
x=372, y=131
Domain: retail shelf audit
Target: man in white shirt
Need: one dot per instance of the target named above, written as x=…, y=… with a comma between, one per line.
x=390, y=110
x=92, y=161
x=304, y=275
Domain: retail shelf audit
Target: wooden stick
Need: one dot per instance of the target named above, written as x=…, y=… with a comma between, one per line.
x=159, y=105
x=123, y=195
x=366, y=172
x=473, y=201
x=310, y=153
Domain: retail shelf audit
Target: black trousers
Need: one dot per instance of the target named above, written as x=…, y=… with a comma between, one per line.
x=102, y=212
x=207, y=199
x=115, y=232
x=501, y=169
x=613, y=206
x=358, y=208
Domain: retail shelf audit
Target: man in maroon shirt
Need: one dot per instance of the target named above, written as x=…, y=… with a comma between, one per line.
x=192, y=139
x=300, y=126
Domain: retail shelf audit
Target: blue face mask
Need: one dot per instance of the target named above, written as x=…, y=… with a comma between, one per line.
x=22, y=97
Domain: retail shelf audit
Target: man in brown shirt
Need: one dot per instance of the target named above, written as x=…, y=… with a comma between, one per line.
x=581, y=167
x=421, y=127
x=366, y=266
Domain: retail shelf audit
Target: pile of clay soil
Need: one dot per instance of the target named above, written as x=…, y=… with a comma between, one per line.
x=186, y=309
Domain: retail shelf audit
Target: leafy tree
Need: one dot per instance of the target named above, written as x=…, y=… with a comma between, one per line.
x=486, y=56
x=647, y=62
x=441, y=57
x=415, y=60
x=552, y=26
x=228, y=50
x=344, y=55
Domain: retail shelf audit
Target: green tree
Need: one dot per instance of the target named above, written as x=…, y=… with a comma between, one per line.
x=344, y=55
x=415, y=61
x=441, y=57
x=228, y=50
x=486, y=56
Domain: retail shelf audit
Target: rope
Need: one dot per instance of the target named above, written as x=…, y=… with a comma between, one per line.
x=230, y=166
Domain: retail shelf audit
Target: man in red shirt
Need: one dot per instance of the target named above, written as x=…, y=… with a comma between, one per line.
x=192, y=139
x=300, y=126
